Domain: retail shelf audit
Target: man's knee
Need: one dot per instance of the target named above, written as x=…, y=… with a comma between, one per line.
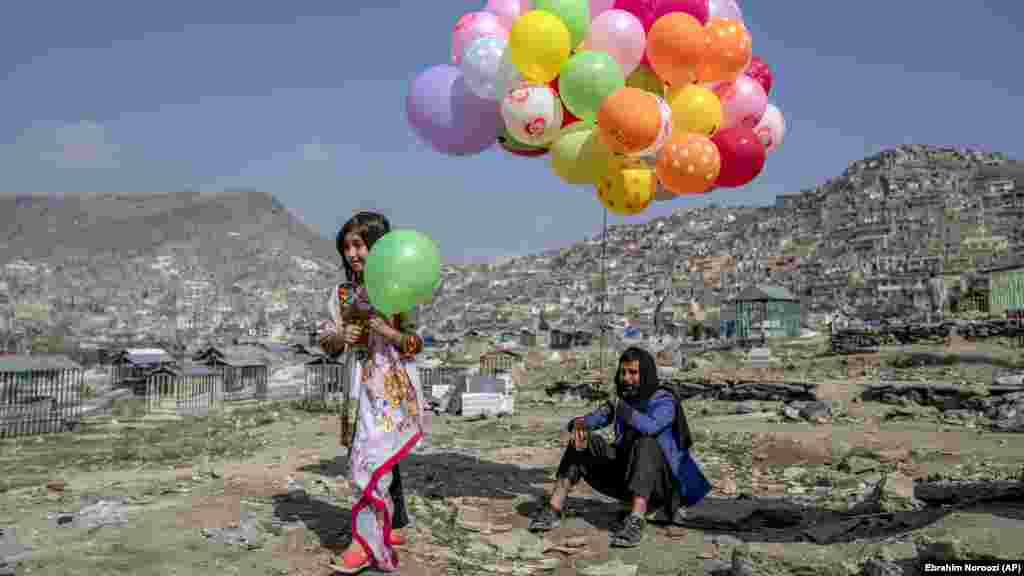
x=647, y=446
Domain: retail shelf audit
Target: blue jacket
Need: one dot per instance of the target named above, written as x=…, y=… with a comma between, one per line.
x=656, y=420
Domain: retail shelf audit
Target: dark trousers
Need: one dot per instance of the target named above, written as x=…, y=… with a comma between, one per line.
x=400, y=518
x=638, y=469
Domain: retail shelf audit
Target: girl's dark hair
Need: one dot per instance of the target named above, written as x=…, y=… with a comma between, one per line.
x=648, y=374
x=370, y=226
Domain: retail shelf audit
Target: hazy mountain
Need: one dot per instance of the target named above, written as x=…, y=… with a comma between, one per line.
x=212, y=226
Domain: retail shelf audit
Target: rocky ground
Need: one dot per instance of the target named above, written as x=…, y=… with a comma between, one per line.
x=838, y=482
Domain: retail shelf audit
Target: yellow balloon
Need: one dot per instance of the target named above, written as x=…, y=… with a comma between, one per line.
x=567, y=160
x=645, y=79
x=628, y=187
x=695, y=109
x=539, y=44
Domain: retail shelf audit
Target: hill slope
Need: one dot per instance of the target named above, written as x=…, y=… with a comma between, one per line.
x=212, y=226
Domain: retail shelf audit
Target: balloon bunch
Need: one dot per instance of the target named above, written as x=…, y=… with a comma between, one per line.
x=645, y=99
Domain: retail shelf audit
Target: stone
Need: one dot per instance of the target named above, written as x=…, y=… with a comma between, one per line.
x=245, y=533
x=56, y=485
x=518, y=543
x=726, y=540
x=858, y=465
x=791, y=413
x=101, y=513
x=876, y=567
x=11, y=550
x=816, y=410
x=183, y=473
x=747, y=407
x=742, y=563
x=714, y=567
x=614, y=568
x=947, y=549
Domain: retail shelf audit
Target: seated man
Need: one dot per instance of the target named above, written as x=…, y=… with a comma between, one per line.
x=648, y=465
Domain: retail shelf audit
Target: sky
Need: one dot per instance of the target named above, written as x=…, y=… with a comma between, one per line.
x=306, y=100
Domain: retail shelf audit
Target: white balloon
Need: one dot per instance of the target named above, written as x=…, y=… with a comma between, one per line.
x=532, y=114
x=508, y=76
x=481, y=66
x=725, y=9
x=772, y=128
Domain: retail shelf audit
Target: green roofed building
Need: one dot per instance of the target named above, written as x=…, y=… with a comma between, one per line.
x=1006, y=290
x=769, y=311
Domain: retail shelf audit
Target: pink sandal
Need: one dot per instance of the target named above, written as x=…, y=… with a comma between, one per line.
x=352, y=562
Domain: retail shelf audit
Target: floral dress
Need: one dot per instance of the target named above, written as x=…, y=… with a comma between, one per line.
x=385, y=401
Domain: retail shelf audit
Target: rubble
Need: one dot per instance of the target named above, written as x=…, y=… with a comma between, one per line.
x=1002, y=404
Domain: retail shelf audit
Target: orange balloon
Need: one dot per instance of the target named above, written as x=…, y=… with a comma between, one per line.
x=728, y=51
x=688, y=164
x=629, y=120
x=676, y=45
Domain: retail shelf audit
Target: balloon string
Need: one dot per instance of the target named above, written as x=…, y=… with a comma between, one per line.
x=604, y=289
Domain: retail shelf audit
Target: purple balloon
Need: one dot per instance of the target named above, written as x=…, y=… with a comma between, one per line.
x=448, y=116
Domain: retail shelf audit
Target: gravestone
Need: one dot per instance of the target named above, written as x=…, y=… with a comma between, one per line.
x=760, y=357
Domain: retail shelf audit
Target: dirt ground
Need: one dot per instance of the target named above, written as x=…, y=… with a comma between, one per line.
x=472, y=487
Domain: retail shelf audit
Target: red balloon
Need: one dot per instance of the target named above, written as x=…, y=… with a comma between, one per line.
x=567, y=117
x=742, y=154
x=758, y=70
x=699, y=9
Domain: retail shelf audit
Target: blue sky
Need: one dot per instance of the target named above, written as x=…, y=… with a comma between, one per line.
x=306, y=100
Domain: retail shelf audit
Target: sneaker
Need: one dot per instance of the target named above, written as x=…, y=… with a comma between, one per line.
x=620, y=519
x=546, y=519
x=631, y=534
x=681, y=516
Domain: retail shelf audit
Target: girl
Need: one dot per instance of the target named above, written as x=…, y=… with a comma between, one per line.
x=384, y=401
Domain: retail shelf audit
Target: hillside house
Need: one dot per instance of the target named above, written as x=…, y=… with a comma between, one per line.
x=131, y=364
x=1006, y=290
x=560, y=339
x=767, y=311
x=497, y=361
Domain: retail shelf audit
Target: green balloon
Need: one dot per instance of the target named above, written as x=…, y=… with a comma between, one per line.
x=595, y=157
x=586, y=80
x=567, y=158
x=575, y=14
x=402, y=270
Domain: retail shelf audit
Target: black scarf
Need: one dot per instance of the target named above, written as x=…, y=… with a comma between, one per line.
x=680, y=426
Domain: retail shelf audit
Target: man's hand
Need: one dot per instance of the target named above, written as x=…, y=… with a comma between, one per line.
x=579, y=435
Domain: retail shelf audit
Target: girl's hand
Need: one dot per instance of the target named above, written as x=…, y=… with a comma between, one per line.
x=378, y=325
x=327, y=328
x=351, y=333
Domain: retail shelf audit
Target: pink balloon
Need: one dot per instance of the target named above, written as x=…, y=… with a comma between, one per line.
x=599, y=6
x=771, y=129
x=743, y=102
x=696, y=8
x=472, y=26
x=506, y=10
x=621, y=35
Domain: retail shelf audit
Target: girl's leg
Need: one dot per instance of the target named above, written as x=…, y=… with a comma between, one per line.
x=401, y=516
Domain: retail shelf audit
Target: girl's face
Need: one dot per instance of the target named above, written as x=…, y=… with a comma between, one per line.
x=355, y=251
